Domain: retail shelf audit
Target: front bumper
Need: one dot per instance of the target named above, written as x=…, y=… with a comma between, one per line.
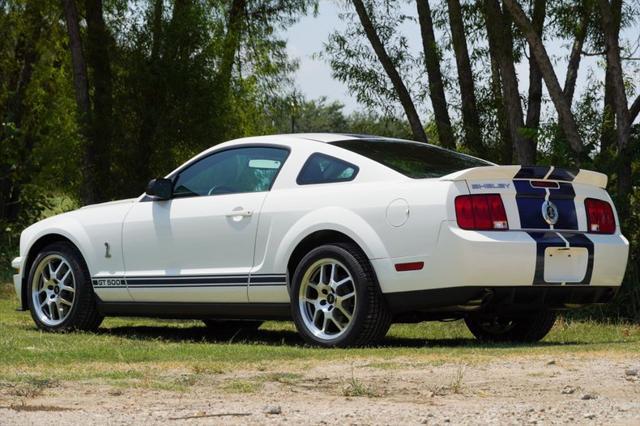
x=495, y=259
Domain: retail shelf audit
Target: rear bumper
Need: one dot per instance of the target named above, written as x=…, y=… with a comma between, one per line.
x=488, y=260
x=511, y=300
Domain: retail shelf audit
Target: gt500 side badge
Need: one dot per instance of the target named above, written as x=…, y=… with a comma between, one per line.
x=108, y=282
x=490, y=185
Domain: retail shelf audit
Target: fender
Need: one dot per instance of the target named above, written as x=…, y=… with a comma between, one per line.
x=64, y=225
x=344, y=221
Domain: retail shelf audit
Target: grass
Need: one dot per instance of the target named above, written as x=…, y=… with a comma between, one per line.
x=175, y=355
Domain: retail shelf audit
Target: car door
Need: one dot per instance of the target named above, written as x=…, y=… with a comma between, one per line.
x=198, y=246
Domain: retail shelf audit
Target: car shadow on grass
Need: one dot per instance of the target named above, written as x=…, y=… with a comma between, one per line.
x=291, y=338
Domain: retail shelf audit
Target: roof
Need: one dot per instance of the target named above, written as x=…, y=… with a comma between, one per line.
x=332, y=137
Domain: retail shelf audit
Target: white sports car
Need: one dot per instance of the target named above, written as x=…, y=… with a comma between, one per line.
x=343, y=233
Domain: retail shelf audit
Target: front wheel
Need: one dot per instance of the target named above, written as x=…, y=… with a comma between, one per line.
x=525, y=329
x=61, y=296
x=335, y=299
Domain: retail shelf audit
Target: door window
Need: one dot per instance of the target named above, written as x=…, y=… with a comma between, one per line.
x=238, y=170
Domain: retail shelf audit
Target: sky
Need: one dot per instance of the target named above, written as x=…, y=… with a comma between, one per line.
x=314, y=80
x=314, y=75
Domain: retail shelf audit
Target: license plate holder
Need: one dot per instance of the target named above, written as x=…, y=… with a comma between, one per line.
x=565, y=264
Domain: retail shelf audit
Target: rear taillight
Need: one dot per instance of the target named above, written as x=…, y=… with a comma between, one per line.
x=600, y=218
x=482, y=212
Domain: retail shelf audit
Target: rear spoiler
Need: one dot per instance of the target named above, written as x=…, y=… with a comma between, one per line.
x=586, y=177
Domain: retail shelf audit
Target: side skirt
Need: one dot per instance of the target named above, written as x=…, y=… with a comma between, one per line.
x=167, y=310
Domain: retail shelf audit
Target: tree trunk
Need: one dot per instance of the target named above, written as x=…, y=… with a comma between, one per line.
x=500, y=41
x=575, y=55
x=506, y=144
x=534, y=104
x=623, y=124
x=98, y=42
x=565, y=116
x=81, y=91
x=436, y=87
x=231, y=42
x=470, y=117
x=154, y=99
x=607, y=127
x=391, y=71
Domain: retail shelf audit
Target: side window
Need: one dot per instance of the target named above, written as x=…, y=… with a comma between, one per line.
x=232, y=171
x=321, y=168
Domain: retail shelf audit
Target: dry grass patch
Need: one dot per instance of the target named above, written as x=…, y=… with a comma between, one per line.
x=242, y=386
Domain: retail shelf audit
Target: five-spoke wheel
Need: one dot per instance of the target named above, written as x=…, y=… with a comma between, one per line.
x=335, y=299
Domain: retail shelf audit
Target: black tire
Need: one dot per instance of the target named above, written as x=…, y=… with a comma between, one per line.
x=83, y=314
x=232, y=326
x=524, y=329
x=371, y=318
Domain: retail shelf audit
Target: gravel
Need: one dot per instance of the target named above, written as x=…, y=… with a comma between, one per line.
x=509, y=390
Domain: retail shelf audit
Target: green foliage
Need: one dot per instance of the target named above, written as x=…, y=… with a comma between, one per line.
x=38, y=134
x=354, y=62
x=300, y=116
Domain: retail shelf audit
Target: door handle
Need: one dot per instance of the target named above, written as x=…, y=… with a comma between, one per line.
x=240, y=213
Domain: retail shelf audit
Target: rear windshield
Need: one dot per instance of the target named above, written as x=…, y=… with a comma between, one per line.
x=412, y=159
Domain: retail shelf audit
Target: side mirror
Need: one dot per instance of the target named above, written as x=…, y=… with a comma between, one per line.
x=160, y=188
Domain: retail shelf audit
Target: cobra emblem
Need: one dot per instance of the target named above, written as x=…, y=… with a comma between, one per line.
x=550, y=212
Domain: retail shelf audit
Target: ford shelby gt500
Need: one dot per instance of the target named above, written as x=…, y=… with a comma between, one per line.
x=344, y=234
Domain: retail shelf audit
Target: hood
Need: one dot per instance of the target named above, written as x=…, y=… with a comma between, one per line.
x=109, y=203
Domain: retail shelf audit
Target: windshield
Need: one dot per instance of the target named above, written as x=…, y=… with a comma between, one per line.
x=412, y=159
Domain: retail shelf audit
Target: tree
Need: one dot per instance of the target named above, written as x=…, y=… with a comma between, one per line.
x=95, y=112
x=436, y=86
x=534, y=104
x=470, y=116
x=500, y=38
x=563, y=108
x=391, y=71
x=624, y=114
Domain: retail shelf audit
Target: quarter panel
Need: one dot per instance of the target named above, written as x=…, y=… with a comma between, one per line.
x=356, y=210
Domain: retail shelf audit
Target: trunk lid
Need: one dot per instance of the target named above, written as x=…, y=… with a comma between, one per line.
x=538, y=197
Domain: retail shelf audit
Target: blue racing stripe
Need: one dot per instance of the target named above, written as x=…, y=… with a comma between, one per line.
x=529, y=200
x=563, y=174
x=532, y=172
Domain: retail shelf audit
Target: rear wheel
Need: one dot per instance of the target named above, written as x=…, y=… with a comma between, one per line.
x=61, y=295
x=335, y=300
x=526, y=329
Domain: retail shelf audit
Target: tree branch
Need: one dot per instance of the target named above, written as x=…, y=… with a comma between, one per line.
x=565, y=116
x=575, y=56
x=634, y=110
x=392, y=72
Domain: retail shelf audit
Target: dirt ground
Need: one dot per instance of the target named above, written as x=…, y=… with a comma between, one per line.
x=583, y=388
